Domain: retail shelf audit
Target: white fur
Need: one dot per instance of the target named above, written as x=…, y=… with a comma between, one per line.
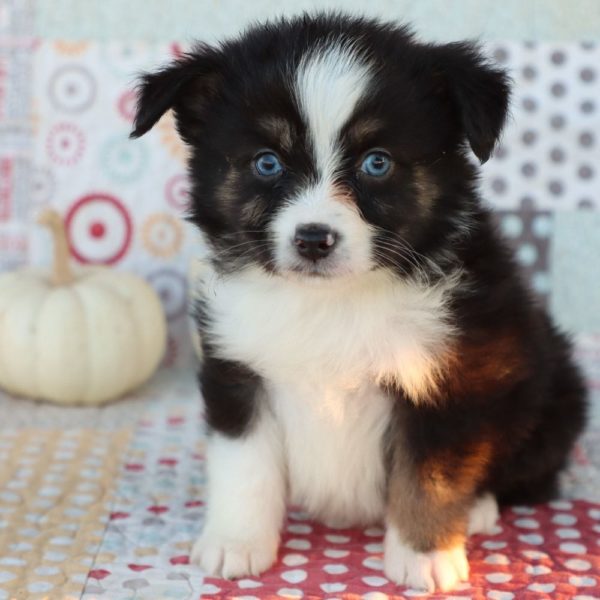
x=333, y=446
x=335, y=334
x=483, y=515
x=245, y=502
x=440, y=569
x=329, y=84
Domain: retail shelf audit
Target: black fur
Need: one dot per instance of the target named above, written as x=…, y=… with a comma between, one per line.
x=229, y=390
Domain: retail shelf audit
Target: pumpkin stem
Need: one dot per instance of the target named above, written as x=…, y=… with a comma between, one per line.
x=61, y=269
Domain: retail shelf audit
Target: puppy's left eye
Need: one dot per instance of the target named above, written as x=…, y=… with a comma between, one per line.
x=376, y=163
x=267, y=164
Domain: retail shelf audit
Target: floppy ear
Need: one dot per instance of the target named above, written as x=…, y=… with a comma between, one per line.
x=480, y=93
x=186, y=85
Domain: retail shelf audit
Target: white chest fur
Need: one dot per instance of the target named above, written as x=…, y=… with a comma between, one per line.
x=322, y=349
x=333, y=443
x=370, y=328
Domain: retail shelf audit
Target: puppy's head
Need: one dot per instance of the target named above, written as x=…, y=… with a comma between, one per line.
x=328, y=146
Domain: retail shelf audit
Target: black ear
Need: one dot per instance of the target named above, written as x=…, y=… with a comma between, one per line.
x=186, y=85
x=480, y=93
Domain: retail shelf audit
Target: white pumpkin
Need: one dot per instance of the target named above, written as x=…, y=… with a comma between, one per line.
x=77, y=337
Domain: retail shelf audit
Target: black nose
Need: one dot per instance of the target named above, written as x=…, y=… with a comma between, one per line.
x=314, y=241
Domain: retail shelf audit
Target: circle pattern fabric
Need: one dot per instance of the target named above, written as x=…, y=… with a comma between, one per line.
x=99, y=229
x=171, y=287
x=72, y=89
x=65, y=144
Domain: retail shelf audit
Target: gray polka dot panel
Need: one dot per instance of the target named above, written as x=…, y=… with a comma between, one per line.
x=549, y=155
x=546, y=164
x=528, y=232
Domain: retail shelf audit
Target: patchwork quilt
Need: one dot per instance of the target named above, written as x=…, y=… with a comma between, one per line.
x=106, y=502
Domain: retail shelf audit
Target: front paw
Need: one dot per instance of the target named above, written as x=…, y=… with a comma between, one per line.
x=221, y=556
x=484, y=515
x=439, y=569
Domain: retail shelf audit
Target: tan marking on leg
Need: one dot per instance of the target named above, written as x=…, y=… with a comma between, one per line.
x=429, y=503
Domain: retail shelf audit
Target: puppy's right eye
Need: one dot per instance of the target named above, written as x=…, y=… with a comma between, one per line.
x=267, y=164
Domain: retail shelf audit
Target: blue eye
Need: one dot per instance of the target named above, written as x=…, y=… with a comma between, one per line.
x=268, y=164
x=376, y=163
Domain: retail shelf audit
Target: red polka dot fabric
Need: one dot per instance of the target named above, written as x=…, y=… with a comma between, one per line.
x=548, y=551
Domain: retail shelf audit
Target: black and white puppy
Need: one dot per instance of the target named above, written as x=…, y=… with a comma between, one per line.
x=370, y=352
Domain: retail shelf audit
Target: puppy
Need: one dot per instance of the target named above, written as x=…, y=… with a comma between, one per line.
x=370, y=352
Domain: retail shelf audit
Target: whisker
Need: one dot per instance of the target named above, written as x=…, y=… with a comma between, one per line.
x=241, y=232
x=402, y=243
x=385, y=260
x=405, y=255
x=234, y=251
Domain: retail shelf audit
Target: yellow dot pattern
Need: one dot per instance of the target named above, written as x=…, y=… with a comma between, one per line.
x=55, y=495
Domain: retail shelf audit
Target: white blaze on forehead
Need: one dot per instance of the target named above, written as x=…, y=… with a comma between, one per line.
x=330, y=82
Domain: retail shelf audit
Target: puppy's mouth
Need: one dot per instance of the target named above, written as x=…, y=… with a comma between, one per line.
x=311, y=271
x=321, y=270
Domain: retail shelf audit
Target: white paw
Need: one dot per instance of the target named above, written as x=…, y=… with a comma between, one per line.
x=220, y=556
x=483, y=515
x=441, y=569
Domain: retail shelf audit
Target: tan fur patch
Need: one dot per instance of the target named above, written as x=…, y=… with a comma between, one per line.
x=481, y=366
x=279, y=129
x=429, y=504
x=252, y=211
x=364, y=128
x=228, y=190
x=448, y=475
x=426, y=188
x=343, y=194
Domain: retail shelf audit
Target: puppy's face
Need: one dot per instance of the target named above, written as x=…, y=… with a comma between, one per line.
x=327, y=147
